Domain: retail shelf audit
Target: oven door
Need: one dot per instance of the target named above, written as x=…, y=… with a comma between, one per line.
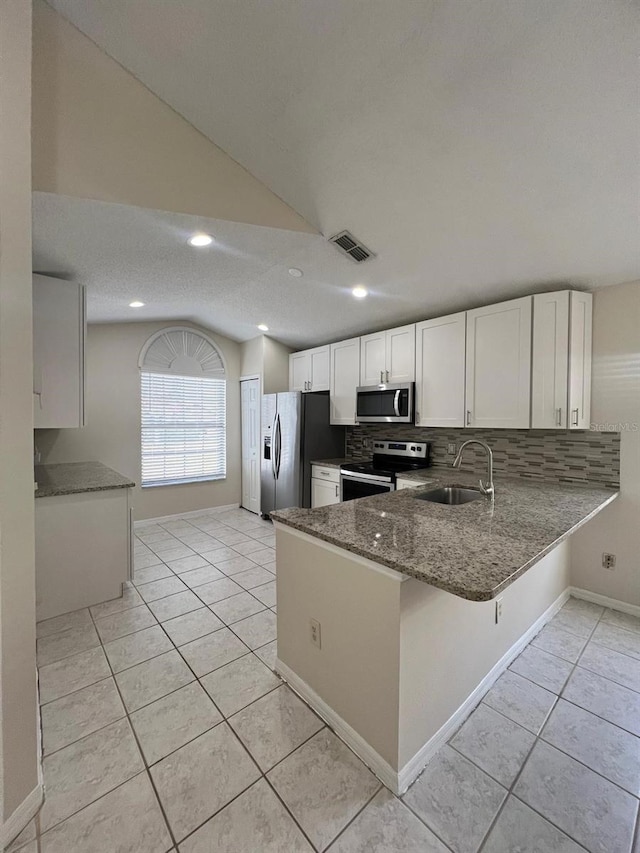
x=385, y=404
x=353, y=487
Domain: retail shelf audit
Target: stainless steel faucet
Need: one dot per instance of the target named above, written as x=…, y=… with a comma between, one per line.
x=488, y=488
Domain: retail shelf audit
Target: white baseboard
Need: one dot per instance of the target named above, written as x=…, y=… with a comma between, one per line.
x=25, y=812
x=399, y=781
x=142, y=522
x=412, y=769
x=605, y=601
x=374, y=761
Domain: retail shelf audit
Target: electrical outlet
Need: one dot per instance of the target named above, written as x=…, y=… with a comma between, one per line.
x=314, y=628
x=451, y=449
x=499, y=609
x=609, y=562
x=365, y=442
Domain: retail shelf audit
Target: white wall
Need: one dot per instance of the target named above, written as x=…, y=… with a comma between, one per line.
x=615, y=404
x=18, y=705
x=269, y=359
x=101, y=134
x=112, y=434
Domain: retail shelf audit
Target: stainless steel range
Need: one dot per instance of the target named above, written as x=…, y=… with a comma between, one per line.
x=390, y=459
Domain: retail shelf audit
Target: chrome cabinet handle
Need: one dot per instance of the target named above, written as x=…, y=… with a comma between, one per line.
x=381, y=379
x=574, y=422
x=337, y=491
x=387, y=374
x=468, y=417
x=559, y=416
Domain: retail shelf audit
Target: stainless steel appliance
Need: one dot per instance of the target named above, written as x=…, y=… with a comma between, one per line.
x=385, y=404
x=295, y=430
x=390, y=460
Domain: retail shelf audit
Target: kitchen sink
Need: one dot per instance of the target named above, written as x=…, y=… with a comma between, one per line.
x=451, y=495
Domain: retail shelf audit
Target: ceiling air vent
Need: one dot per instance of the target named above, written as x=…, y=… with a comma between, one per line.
x=348, y=244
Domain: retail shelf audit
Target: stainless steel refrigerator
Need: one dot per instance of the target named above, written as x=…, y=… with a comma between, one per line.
x=295, y=430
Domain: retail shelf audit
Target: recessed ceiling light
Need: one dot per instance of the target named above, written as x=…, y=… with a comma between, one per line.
x=359, y=292
x=295, y=272
x=199, y=240
x=136, y=304
x=263, y=328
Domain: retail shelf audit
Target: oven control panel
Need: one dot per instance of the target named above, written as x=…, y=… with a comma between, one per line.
x=406, y=449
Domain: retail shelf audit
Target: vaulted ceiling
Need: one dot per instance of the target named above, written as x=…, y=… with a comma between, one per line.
x=481, y=148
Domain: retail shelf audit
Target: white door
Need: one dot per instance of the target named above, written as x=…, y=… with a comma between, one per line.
x=440, y=371
x=250, y=415
x=345, y=375
x=498, y=369
x=319, y=369
x=324, y=493
x=581, y=305
x=400, y=347
x=299, y=372
x=550, y=364
x=373, y=359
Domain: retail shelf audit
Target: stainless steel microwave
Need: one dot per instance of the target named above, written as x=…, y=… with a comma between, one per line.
x=385, y=404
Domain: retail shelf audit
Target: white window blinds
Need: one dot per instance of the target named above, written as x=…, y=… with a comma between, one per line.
x=183, y=428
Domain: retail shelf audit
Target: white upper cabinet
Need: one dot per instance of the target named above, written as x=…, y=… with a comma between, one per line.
x=388, y=356
x=345, y=374
x=580, y=324
x=561, y=375
x=549, y=381
x=309, y=370
x=440, y=371
x=498, y=365
x=59, y=331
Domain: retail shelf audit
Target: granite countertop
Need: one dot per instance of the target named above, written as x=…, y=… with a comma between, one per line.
x=70, y=478
x=335, y=463
x=474, y=550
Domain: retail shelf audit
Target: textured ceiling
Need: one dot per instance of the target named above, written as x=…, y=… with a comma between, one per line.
x=482, y=148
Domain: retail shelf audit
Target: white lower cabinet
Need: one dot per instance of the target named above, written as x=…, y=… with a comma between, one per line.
x=498, y=365
x=325, y=486
x=83, y=545
x=440, y=371
x=343, y=381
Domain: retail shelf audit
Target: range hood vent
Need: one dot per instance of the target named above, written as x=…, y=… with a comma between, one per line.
x=351, y=247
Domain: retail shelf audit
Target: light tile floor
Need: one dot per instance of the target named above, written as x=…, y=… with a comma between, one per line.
x=164, y=728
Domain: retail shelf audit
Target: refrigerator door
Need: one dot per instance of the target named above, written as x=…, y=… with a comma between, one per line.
x=267, y=454
x=287, y=441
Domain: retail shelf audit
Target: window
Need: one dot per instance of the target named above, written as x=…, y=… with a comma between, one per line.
x=183, y=429
x=183, y=409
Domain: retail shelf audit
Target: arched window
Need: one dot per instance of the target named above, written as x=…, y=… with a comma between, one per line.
x=183, y=408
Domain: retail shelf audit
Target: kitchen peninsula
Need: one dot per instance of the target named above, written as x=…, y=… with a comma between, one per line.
x=418, y=606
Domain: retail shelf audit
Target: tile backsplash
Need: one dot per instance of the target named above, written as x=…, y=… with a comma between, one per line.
x=569, y=457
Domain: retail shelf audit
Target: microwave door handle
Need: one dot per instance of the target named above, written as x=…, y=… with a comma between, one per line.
x=396, y=403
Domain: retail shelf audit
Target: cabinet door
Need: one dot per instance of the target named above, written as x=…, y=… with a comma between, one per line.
x=59, y=325
x=440, y=371
x=498, y=369
x=319, y=369
x=581, y=307
x=299, y=372
x=324, y=493
x=345, y=375
x=550, y=360
x=372, y=358
x=400, y=358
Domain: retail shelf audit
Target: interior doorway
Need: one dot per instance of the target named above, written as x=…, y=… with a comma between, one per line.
x=250, y=416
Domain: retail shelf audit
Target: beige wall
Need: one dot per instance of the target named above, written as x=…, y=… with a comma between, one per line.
x=18, y=705
x=615, y=404
x=269, y=359
x=98, y=133
x=112, y=434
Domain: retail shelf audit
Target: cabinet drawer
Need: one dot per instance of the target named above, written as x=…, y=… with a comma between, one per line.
x=319, y=472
